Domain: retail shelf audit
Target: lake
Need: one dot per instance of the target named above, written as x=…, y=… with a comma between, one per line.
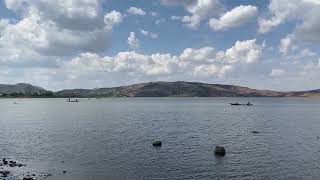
x=112, y=138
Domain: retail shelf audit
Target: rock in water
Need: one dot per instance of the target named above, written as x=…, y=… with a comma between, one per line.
x=220, y=151
x=4, y=173
x=255, y=132
x=157, y=143
x=4, y=161
x=27, y=177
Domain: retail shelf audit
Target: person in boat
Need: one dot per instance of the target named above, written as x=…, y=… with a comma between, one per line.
x=237, y=103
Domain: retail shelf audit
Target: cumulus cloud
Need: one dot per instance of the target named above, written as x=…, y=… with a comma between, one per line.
x=133, y=41
x=286, y=45
x=3, y=24
x=236, y=17
x=199, y=55
x=136, y=11
x=63, y=42
x=247, y=51
x=149, y=34
x=280, y=11
x=112, y=18
x=202, y=62
x=304, y=12
x=92, y=70
x=48, y=29
x=68, y=14
x=199, y=9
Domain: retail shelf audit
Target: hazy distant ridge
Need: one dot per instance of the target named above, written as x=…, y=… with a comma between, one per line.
x=21, y=89
x=155, y=89
x=180, y=89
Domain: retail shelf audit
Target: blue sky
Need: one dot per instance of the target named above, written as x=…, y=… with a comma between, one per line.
x=267, y=44
x=171, y=32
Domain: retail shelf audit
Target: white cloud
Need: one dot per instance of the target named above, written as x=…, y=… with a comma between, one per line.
x=206, y=70
x=92, y=70
x=236, y=17
x=191, y=63
x=286, y=45
x=149, y=34
x=175, y=18
x=62, y=43
x=133, y=41
x=136, y=11
x=112, y=18
x=280, y=10
x=45, y=29
x=199, y=55
x=67, y=14
x=304, y=13
x=191, y=21
x=246, y=51
x=277, y=72
x=154, y=14
x=194, y=64
x=308, y=53
x=3, y=24
x=159, y=21
x=199, y=9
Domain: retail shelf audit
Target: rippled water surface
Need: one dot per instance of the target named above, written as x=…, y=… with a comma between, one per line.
x=112, y=138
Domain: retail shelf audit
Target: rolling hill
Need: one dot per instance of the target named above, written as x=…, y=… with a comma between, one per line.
x=181, y=89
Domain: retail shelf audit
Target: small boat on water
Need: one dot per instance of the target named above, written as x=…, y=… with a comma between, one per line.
x=249, y=104
x=235, y=104
x=70, y=100
x=239, y=104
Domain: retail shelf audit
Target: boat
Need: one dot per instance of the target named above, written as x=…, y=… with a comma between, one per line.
x=235, y=104
x=239, y=104
x=70, y=100
x=249, y=104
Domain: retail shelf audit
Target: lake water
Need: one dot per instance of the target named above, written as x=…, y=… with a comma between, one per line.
x=112, y=138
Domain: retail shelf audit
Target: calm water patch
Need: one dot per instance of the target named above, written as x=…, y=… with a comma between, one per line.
x=112, y=138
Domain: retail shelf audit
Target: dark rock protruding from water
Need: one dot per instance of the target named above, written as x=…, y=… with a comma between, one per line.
x=27, y=177
x=10, y=163
x=4, y=173
x=219, y=151
x=255, y=132
x=4, y=161
x=157, y=143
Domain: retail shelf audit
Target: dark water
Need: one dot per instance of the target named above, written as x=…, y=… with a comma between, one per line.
x=112, y=138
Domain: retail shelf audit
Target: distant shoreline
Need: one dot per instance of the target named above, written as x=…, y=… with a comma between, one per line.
x=150, y=89
x=164, y=97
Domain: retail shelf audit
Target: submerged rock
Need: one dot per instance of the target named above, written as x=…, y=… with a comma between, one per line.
x=27, y=177
x=219, y=151
x=157, y=143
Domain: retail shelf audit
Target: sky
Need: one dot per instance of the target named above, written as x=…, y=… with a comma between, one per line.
x=59, y=44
